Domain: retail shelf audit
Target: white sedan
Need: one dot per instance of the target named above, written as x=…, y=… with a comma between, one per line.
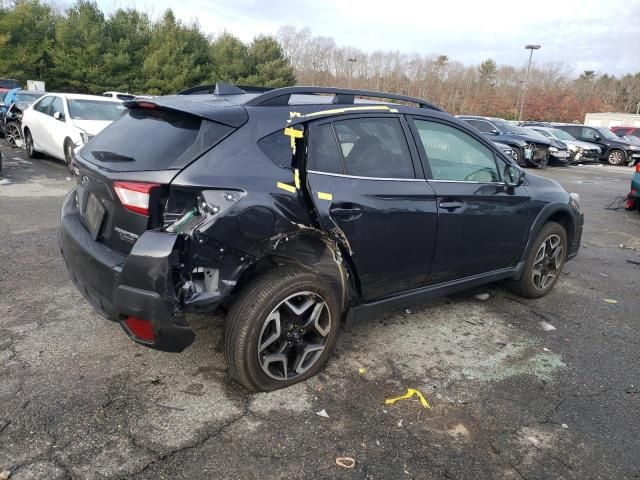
x=59, y=122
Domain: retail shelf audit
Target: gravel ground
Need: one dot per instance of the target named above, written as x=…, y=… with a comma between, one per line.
x=508, y=399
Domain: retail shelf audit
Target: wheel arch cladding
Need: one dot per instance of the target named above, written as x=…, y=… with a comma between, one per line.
x=556, y=212
x=312, y=250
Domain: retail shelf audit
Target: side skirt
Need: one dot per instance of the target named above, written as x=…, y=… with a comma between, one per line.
x=367, y=310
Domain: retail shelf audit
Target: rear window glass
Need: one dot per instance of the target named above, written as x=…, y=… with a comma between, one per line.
x=146, y=139
x=277, y=147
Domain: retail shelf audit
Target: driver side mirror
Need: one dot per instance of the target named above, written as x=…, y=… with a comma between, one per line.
x=513, y=176
x=2, y=105
x=597, y=137
x=58, y=116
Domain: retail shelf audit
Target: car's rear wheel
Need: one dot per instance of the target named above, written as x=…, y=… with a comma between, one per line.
x=28, y=140
x=544, y=263
x=281, y=330
x=68, y=153
x=616, y=157
x=12, y=134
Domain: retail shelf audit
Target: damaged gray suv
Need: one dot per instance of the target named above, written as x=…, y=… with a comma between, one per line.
x=295, y=210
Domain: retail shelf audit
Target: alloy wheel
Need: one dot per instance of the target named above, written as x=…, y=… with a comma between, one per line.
x=616, y=157
x=294, y=335
x=548, y=261
x=12, y=134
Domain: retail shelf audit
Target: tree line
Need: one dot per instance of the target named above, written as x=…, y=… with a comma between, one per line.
x=553, y=93
x=83, y=50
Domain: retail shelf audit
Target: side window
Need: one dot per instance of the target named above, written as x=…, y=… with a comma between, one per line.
x=589, y=133
x=43, y=105
x=323, y=154
x=544, y=132
x=454, y=155
x=57, y=106
x=277, y=147
x=374, y=147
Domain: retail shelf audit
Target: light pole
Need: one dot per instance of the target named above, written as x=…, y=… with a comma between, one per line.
x=531, y=48
x=351, y=62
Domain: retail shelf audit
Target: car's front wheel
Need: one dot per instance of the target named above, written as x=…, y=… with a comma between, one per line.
x=68, y=153
x=12, y=134
x=518, y=155
x=281, y=330
x=616, y=157
x=28, y=140
x=544, y=262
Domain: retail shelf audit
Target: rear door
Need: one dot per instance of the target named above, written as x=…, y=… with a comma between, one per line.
x=39, y=121
x=482, y=224
x=366, y=183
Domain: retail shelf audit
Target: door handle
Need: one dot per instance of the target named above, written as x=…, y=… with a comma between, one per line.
x=450, y=204
x=347, y=213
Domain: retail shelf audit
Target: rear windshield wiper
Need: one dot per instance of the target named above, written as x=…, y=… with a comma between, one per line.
x=105, y=156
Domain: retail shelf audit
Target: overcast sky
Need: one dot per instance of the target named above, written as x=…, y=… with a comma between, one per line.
x=599, y=35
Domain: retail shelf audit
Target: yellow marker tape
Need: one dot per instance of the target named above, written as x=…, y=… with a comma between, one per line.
x=286, y=186
x=325, y=196
x=293, y=133
x=410, y=393
x=335, y=111
x=296, y=178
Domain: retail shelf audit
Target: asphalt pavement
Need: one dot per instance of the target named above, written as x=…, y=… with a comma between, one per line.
x=509, y=397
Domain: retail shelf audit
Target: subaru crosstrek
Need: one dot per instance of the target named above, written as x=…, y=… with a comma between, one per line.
x=296, y=209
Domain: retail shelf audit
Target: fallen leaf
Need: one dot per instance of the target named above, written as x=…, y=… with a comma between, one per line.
x=610, y=300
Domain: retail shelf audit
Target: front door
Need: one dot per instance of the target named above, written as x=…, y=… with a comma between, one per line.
x=482, y=223
x=367, y=184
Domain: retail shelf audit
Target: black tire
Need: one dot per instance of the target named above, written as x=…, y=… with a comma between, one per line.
x=532, y=285
x=248, y=320
x=518, y=155
x=68, y=153
x=616, y=157
x=28, y=140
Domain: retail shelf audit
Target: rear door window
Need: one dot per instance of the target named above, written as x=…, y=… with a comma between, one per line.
x=153, y=139
x=324, y=155
x=374, y=147
x=43, y=105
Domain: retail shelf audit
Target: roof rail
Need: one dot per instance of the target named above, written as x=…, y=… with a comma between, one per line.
x=281, y=96
x=222, y=88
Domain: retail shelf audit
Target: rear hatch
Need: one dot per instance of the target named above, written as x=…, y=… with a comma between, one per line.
x=124, y=172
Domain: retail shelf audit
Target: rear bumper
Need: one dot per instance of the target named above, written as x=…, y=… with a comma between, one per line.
x=120, y=286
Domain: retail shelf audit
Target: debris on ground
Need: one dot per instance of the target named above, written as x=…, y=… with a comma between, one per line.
x=4, y=181
x=322, y=413
x=564, y=425
x=410, y=393
x=361, y=370
x=546, y=349
x=633, y=262
x=626, y=247
x=407, y=311
x=610, y=300
x=345, y=462
x=5, y=474
x=482, y=297
x=400, y=422
x=546, y=326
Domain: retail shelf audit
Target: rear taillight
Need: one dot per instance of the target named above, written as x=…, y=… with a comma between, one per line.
x=135, y=196
x=140, y=329
x=638, y=168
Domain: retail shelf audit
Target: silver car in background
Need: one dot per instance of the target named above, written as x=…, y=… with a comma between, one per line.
x=580, y=151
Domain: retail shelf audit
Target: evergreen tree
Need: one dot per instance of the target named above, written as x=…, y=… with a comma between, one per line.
x=177, y=57
x=26, y=39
